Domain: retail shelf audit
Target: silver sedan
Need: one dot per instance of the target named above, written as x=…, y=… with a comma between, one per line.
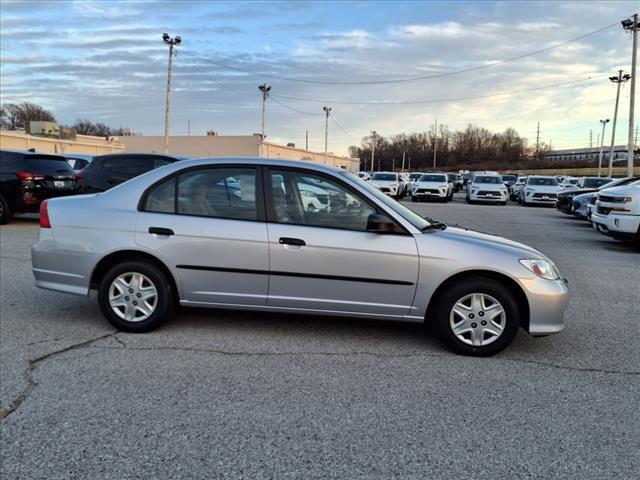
x=236, y=233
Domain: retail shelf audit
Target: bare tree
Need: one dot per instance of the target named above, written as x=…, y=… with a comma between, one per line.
x=15, y=116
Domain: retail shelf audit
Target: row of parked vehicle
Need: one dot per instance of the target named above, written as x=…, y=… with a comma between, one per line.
x=419, y=185
x=27, y=178
x=612, y=206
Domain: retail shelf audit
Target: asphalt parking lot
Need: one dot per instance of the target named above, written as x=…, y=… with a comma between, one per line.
x=249, y=395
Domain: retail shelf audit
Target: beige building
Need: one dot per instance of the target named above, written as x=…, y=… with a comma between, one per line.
x=19, y=140
x=231, y=146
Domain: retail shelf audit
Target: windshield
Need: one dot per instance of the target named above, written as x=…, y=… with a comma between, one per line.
x=433, y=178
x=488, y=179
x=595, y=182
x=417, y=221
x=509, y=178
x=385, y=176
x=545, y=182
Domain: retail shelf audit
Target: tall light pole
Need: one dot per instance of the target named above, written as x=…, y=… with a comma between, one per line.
x=604, y=123
x=172, y=42
x=327, y=110
x=265, y=89
x=619, y=80
x=373, y=148
x=632, y=24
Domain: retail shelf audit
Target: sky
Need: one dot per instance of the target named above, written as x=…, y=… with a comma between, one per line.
x=106, y=61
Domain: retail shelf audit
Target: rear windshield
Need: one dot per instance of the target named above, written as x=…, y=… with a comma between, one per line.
x=384, y=176
x=545, y=182
x=489, y=179
x=595, y=182
x=47, y=165
x=433, y=178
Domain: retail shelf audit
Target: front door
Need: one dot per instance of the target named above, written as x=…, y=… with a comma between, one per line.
x=206, y=224
x=322, y=257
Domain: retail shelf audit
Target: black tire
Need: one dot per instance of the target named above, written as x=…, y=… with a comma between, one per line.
x=455, y=292
x=5, y=211
x=414, y=198
x=504, y=203
x=165, y=302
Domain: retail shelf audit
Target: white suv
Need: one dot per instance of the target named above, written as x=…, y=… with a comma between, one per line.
x=618, y=212
x=390, y=183
x=487, y=188
x=432, y=185
x=539, y=191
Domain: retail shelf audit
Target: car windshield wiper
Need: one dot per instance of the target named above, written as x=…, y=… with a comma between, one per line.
x=433, y=225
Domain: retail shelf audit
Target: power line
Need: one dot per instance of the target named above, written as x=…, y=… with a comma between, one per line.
x=343, y=130
x=272, y=97
x=400, y=80
x=435, y=100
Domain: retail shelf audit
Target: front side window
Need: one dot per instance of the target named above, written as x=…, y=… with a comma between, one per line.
x=307, y=199
x=211, y=192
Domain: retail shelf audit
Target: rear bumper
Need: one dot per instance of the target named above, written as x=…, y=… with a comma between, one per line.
x=61, y=270
x=548, y=300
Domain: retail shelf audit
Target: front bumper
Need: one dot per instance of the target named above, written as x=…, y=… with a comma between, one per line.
x=419, y=194
x=531, y=200
x=477, y=197
x=548, y=300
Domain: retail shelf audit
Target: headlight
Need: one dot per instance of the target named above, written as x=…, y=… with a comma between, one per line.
x=541, y=268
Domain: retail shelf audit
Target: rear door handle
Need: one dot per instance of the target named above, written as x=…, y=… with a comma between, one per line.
x=292, y=241
x=160, y=231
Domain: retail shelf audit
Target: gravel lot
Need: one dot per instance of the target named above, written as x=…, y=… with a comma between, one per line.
x=248, y=395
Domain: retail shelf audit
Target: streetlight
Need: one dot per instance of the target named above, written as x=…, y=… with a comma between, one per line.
x=632, y=25
x=172, y=42
x=619, y=79
x=265, y=89
x=604, y=123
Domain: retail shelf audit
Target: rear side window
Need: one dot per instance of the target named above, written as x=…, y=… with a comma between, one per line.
x=46, y=165
x=10, y=162
x=212, y=192
x=128, y=166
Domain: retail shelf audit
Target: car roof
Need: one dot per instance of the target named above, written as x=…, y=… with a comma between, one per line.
x=28, y=153
x=194, y=162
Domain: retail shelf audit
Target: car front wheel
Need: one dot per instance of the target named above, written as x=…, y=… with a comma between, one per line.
x=136, y=296
x=477, y=316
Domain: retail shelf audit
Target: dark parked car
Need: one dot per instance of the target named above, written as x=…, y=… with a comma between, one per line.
x=107, y=171
x=585, y=185
x=28, y=178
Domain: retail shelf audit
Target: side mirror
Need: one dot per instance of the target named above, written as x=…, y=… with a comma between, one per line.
x=379, y=223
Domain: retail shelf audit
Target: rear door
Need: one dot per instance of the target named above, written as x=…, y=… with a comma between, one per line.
x=208, y=224
x=323, y=259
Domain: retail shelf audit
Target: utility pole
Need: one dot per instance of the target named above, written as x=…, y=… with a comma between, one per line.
x=306, y=139
x=435, y=144
x=373, y=148
x=327, y=110
x=604, y=124
x=620, y=79
x=172, y=42
x=265, y=89
x=403, y=155
x=632, y=24
x=189, y=127
x=538, y=141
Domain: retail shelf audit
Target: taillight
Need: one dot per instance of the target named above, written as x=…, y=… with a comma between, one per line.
x=78, y=176
x=28, y=176
x=44, y=215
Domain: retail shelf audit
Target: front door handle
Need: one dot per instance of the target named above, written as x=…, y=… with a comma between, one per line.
x=160, y=231
x=292, y=241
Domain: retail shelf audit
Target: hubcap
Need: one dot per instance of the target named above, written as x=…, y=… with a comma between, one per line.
x=464, y=316
x=133, y=297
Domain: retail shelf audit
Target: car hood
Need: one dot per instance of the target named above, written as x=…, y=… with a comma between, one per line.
x=429, y=184
x=623, y=190
x=491, y=241
x=577, y=191
x=383, y=183
x=488, y=186
x=583, y=197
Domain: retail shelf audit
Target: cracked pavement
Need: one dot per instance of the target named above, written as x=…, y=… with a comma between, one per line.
x=218, y=394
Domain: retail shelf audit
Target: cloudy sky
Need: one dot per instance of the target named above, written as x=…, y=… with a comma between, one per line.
x=105, y=61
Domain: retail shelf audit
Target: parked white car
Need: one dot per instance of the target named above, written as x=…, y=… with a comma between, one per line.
x=568, y=183
x=539, y=190
x=514, y=190
x=364, y=176
x=432, y=186
x=413, y=177
x=487, y=188
x=389, y=183
x=618, y=212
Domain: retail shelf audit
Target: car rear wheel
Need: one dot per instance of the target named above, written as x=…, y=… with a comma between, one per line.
x=136, y=296
x=477, y=316
x=5, y=212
